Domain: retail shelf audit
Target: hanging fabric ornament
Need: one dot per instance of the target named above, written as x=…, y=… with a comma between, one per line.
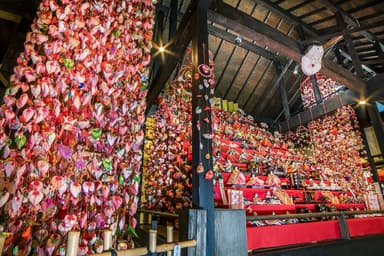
x=209, y=175
x=311, y=61
x=200, y=168
x=96, y=133
x=20, y=140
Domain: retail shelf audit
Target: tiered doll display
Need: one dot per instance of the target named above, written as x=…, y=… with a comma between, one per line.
x=326, y=167
x=71, y=126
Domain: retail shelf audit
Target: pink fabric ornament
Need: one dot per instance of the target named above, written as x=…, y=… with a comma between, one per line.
x=75, y=189
x=27, y=115
x=35, y=197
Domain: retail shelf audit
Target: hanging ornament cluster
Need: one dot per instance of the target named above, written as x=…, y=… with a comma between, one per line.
x=167, y=151
x=71, y=124
x=339, y=153
x=204, y=75
x=327, y=87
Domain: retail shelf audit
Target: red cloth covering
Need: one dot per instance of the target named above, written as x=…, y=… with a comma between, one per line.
x=365, y=226
x=262, y=209
x=274, y=236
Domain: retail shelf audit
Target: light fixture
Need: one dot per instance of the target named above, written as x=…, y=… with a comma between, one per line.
x=161, y=49
x=296, y=70
x=362, y=102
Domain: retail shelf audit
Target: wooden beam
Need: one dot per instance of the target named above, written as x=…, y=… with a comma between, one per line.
x=272, y=89
x=173, y=19
x=4, y=80
x=286, y=15
x=202, y=185
x=349, y=19
x=372, y=62
x=349, y=43
x=295, y=94
x=245, y=44
x=266, y=36
x=176, y=47
x=334, y=31
x=10, y=16
x=327, y=106
x=316, y=89
x=283, y=94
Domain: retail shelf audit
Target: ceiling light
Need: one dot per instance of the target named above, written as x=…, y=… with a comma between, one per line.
x=362, y=102
x=161, y=49
x=296, y=70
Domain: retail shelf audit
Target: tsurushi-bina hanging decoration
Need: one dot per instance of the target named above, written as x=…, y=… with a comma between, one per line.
x=167, y=151
x=71, y=125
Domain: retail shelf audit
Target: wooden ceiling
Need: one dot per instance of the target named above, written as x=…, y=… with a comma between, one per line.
x=273, y=33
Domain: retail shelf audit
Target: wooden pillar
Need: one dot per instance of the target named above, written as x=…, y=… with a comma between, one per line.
x=173, y=19
x=361, y=117
x=202, y=165
x=316, y=89
x=377, y=124
x=283, y=94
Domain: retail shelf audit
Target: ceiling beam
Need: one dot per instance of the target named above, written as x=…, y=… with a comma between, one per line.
x=286, y=15
x=286, y=46
x=5, y=15
x=245, y=44
x=176, y=47
x=272, y=89
x=326, y=36
x=327, y=106
x=348, y=19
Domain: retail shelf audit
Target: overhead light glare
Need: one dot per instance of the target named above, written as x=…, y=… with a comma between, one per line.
x=161, y=49
x=362, y=102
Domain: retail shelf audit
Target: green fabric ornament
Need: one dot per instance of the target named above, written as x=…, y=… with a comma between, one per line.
x=121, y=180
x=137, y=178
x=20, y=141
x=116, y=32
x=96, y=133
x=15, y=250
x=144, y=86
x=131, y=231
x=107, y=164
x=68, y=63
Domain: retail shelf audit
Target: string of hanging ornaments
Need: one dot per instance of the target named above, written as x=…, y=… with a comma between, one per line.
x=71, y=126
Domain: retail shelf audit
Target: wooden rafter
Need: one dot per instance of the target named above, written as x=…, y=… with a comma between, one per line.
x=287, y=15
x=266, y=36
x=272, y=89
x=247, y=45
x=348, y=19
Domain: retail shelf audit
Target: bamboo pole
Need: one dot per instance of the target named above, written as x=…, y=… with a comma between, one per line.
x=169, y=237
x=129, y=252
x=73, y=243
x=107, y=240
x=152, y=240
x=170, y=246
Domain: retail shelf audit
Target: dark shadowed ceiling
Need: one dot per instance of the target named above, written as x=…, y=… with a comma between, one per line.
x=249, y=73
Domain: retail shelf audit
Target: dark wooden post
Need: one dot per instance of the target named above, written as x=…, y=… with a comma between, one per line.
x=173, y=19
x=283, y=94
x=316, y=90
x=361, y=113
x=202, y=184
